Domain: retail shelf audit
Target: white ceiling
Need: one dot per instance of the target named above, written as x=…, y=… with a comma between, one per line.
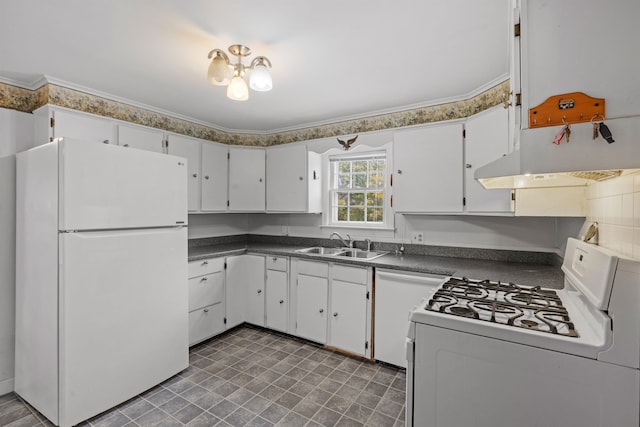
x=332, y=59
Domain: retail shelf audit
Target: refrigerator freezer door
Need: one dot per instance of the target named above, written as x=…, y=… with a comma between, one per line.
x=109, y=187
x=123, y=316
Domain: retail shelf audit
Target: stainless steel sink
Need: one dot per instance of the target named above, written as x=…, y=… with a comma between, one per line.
x=361, y=254
x=318, y=250
x=342, y=252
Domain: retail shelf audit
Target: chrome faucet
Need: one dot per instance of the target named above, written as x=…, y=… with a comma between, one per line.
x=348, y=245
x=368, y=242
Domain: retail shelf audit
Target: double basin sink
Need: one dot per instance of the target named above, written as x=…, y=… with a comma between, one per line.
x=342, y=252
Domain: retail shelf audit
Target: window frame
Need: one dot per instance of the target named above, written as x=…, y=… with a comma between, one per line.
x=331, y=206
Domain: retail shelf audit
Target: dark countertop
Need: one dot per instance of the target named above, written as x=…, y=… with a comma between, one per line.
x=520, y=273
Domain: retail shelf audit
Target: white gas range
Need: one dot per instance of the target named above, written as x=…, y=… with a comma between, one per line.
x=491, y=354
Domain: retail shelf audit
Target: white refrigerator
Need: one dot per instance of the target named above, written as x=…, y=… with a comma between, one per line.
x=101, y=275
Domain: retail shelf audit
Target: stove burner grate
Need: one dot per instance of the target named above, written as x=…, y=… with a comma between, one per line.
x=531, y=308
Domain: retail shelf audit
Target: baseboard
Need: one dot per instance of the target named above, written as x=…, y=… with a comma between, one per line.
x=6, y=386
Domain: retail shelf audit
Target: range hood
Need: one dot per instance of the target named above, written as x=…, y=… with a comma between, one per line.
x=541, y=164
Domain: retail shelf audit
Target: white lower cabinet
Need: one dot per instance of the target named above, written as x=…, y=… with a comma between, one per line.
x=206, y=299
x=245, y=290
x=350, y=309
x=396, y=294
x=277, y=293
x=312, y=288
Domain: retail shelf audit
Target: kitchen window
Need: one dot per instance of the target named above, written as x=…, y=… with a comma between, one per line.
x=358, y=191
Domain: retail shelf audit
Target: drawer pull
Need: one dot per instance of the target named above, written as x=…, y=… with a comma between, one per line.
x=204, y=279
x=335, y=314
x=205, y=263
x=281, y=301
x=321, y=310
x=275, y=259
x=206, y=310
x=259, y=291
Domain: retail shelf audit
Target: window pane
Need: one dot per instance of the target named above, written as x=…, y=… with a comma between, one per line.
x=374, y=214
x=342, y=199
x=374, y=199
x=344, y=181
x=357, y=214
x=343, y=214
x=360, y=166
x=356, y=199
x=376, y=180
x=344, y=167
x=359, y=180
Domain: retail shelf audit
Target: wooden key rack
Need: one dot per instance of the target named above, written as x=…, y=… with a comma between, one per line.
x=568, y=108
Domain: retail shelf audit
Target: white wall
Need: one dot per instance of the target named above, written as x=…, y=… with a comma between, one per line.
x=16, y=134
x=216, y=225
x=615, y=205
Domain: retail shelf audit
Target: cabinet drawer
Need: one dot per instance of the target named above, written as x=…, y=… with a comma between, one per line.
x=313, y=268
x=350, y=274
x=277, y=263
x=206, y=290
x=205, y=323
x=205, y=266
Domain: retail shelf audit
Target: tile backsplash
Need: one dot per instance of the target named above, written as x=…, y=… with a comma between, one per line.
x=615, y=205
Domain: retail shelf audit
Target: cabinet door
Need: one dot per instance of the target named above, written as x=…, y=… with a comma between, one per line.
x=246, y=179
x=311, y=307
x=427, y=175
x=277, y=300
x=189, y=148
x=487, y=139
x=287, y=178
x=205, y=322
x=245, y=276
x=141, y=138
x=348, y=316
x=214, y=177
x=82, y=126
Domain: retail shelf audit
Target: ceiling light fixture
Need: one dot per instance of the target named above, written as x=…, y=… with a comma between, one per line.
x=222, y=72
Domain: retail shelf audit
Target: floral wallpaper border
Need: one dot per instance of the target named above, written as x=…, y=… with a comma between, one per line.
x=26, y=100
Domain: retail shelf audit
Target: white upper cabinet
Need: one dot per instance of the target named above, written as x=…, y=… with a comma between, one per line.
x=486, y=139
x=214, y=177
x=188, y=148
x=293, y=179
x=427, y=174
x=581, y=46
x=56, y=123
x=246, y=179
x=142, y=138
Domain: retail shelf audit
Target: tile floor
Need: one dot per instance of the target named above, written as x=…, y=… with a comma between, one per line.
x=255, y=377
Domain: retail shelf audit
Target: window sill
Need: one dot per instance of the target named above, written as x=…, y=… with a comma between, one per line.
x=359, y=227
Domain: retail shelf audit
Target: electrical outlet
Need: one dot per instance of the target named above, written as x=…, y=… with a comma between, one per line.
x=417, y=238
x=285, y=230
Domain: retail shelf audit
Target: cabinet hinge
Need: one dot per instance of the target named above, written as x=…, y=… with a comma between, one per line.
x=513, y=196
x=228, y=156
x=391, y=179
x=52, y=122
x=227, y=203
x=516, y=30
x=464, y=133
x=225, y=320
x=366, y=345
x=165, y=143
x=367, y=294
x=464, y=201
x=225, y=265
x=391, y=198
x=518, y=99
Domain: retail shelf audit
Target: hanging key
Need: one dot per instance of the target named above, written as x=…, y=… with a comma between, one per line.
x=606, y=133
x=595, y=130
x=567, y=132
x=560, y=136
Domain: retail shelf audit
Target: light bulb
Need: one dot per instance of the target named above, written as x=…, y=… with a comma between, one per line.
x=260, y=78
x=237, y=89
x=219, y=72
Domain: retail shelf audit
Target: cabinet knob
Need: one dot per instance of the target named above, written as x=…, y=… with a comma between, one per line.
x=259, y=291
x=106, y=141
x=205, y=263
x=260, y=179
x=204, y=279
x=300, y=178
x=206, y=310
x=322, y=310
x=468, y=166
x=195, y=175
x=206, y=177
x=281, y=301
x=335, y=314
x=399, y=172
x=125, y=145
x=275, y=259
